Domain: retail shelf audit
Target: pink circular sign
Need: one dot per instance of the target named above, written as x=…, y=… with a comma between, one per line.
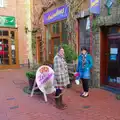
x=45, y=78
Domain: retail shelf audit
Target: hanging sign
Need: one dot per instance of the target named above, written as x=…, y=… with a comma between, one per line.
x=109, y=3
x=95, y=6
x=44, y=79
x=56, y=14
x=7, y=21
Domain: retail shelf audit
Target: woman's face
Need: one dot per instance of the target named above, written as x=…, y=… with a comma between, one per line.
x=84, y=51
x=61, y=52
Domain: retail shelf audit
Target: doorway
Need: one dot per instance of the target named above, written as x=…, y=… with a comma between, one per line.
x=56, y=34
x=55, y=38
x=8, y=48
x=84, y=33
x=114, y=61
x=55, y=42
x=110, y=56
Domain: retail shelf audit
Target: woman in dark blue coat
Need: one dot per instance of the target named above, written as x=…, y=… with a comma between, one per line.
x=85, y=63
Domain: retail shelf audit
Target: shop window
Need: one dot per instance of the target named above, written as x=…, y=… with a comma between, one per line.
x=84, y=39
x=13, y=50
x=56, y=28
x=64, y=33
x=56, y=44
x=114, y=30
x=4, y=52
x=4, y=33
x=8, y=47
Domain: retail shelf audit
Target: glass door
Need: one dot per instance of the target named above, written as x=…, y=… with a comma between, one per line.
x=55, y=43
x=13, y=47
x=4, y=47
x=114, y=62
x=8, y=48
x=4, y=52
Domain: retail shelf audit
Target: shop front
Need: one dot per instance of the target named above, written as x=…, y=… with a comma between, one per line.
x=84, y=30
x=55, y=29
x=8, y=43
x=110, y=56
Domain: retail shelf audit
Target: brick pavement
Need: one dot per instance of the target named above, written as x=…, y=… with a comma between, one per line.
x=16, y=105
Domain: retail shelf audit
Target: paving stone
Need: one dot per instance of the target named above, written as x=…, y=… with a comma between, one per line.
x=16, y=105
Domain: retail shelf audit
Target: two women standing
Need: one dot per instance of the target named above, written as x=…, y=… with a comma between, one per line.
x=85, y=64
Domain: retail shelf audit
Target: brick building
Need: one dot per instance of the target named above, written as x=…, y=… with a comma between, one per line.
x=106, y=45
x=53, y=26
x=102, y=44
x=101, y=34
x=14, y=42
x=45, y=36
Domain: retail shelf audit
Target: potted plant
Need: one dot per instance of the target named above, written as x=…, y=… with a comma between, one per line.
x=31, y=78
x=31, y=74
x=70, y=56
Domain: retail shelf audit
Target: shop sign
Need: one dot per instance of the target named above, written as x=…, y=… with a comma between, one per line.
x=95, y=6
x=7, y=21
x=44, y=79
x=56, y=14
